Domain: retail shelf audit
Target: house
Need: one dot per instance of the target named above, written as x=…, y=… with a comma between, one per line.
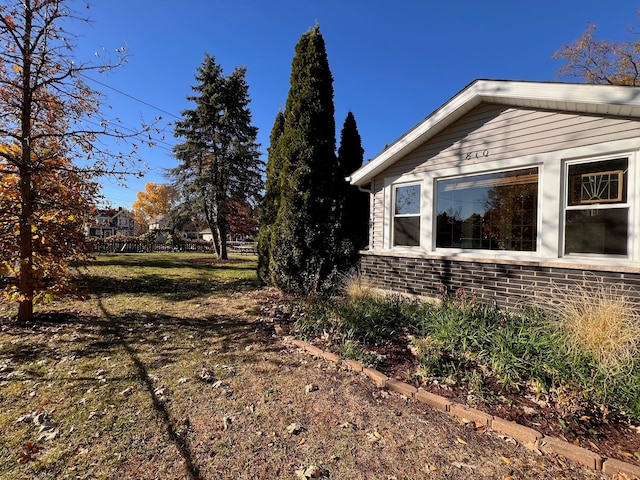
x=510, y=190
x=109, y=222
x=159, y=222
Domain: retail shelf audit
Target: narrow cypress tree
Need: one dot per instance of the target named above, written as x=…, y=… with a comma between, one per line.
x=271, y=200
x=352, y=212
x=302, y=233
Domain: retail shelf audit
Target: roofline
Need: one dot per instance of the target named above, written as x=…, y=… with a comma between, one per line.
x=572, y=97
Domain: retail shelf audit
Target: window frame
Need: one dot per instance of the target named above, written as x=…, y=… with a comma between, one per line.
x=566, y=192
x=394, y=189
x=485, y=251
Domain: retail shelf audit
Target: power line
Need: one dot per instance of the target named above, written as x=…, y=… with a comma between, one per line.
x=130, y=96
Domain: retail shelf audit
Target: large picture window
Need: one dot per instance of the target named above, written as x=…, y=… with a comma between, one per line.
x=596, y=210
x=495, y=211
x=406, y=216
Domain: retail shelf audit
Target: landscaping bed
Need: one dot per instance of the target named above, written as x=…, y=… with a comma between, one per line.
x=562, y=407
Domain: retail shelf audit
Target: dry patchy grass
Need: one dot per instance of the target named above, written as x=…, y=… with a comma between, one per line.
x=172, y=371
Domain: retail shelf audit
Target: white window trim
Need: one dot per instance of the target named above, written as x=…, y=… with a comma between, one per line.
x=551, y=198
x=391, y=184
x=630, y=204
x=479, y=251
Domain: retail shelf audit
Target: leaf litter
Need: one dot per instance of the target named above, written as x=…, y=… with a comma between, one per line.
x=273, y=425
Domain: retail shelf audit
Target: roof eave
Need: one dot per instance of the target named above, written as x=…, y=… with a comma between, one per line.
x=592, y=99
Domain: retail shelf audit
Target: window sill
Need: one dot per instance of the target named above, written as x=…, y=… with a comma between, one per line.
x=618, y=265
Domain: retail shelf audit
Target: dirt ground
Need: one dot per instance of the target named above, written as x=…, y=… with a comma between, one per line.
x=212, y=393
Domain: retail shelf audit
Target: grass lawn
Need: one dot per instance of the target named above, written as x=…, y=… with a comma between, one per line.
x=171, y=371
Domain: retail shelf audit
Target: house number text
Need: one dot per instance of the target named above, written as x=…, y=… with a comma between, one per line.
x=478, y=154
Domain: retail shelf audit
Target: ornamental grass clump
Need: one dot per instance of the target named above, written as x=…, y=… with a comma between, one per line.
x=355, y=287
x=600, y=322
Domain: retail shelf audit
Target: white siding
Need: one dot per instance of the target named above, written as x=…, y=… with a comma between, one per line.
x=491, y=133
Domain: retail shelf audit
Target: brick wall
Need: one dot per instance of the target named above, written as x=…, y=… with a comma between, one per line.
x=510, y=285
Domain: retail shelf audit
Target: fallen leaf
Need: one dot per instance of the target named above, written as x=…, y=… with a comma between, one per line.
x=372, y=438
x=129, y=390
x=31, y=447
x=48, y=435
x=461, y=441
x=506, y=460
x=294, y=428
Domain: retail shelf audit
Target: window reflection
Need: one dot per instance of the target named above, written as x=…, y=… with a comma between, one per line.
x=496, y=211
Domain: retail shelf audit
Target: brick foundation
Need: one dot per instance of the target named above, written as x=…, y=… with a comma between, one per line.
x=508, y=284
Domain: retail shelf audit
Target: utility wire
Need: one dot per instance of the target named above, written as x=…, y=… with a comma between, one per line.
x=130, y=96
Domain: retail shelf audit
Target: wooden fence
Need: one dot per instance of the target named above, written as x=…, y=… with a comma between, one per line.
x=138, y=245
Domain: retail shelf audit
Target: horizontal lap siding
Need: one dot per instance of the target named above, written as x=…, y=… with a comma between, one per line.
x=509, y=286
x=377, y=209
x=507, y=133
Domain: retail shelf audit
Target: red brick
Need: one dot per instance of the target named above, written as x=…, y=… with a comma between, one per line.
x=433, y=400
x=611, y=466
x=470, y=414
x=401, y=387
x=521, y=433
x=353, y=365
x=577, y=454
x=378, y=377
x=330, y=356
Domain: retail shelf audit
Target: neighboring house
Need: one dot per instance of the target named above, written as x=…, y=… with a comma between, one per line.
x=189, y=231
x=110, y=222
x=158, y=222
x=508, y=190
x=206, y=235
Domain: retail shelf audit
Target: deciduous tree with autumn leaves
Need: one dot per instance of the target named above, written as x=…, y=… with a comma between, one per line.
x=601, y=61
x=49, y=158
x=157, y=199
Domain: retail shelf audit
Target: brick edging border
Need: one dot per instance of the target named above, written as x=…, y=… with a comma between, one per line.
x=524, y=435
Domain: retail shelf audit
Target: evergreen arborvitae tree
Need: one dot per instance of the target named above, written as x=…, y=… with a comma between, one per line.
x=352, y=211
x=271, y=200
x=301, y=237
x=219, y=158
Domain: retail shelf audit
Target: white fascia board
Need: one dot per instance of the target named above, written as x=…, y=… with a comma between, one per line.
x=572, y=97
x=453, y=109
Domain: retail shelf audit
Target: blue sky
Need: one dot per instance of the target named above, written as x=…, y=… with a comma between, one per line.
x=393, y=63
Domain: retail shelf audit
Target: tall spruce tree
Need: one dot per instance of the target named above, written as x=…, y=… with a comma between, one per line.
x=219, y=158
x=301, y=238
x=271, y=200
x=352, y=211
